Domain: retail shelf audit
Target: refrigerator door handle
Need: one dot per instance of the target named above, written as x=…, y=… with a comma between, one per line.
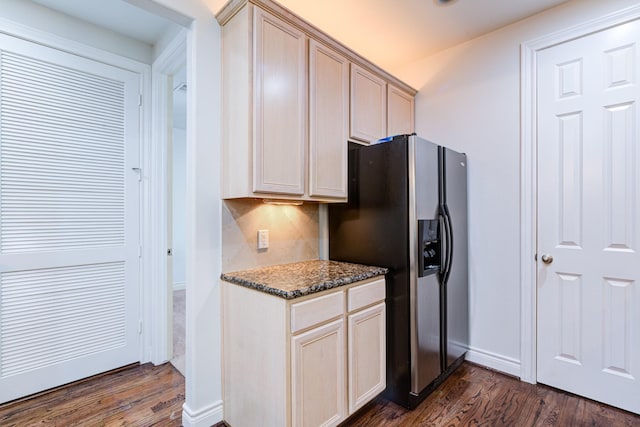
x=443, y=257
x=444, y=244
x=447, y=216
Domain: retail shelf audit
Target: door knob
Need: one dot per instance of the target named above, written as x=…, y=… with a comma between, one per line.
x=547, y=259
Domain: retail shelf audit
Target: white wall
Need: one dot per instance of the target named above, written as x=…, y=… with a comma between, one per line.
x=469, y=100
x=36, y=16
x=179, y=200
x=165, y=40
x=203, y=394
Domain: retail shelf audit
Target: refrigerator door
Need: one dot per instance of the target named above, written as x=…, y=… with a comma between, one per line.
x=425, y=288
x=456, y=289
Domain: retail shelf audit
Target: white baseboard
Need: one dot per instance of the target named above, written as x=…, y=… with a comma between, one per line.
x=205, y=417
x=495, y=361
x=179, y=287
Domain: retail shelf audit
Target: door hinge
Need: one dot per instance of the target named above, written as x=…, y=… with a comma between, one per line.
x=139, y=251
x=139, y=326
x=535, y=257
x=139, y=100
x=169, y=252
x=139, y=172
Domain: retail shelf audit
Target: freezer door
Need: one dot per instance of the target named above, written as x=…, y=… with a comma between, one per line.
x=425, y=289
x=456, y=290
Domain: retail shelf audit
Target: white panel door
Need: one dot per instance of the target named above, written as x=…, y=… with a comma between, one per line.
x=69, y=201
x=588, y=217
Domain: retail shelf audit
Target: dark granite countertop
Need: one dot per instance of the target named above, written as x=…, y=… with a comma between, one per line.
x=294, y=280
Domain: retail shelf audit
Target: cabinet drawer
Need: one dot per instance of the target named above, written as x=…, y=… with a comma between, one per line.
x=364, y=295
x=316, y=310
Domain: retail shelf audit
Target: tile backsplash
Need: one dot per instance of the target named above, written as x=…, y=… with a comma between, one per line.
x=293, y=233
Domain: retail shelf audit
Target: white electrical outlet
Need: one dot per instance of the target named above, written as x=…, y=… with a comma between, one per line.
x=263, y=239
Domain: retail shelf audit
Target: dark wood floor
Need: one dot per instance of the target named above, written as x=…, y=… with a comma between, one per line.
x=475, y=396
x=143, y=395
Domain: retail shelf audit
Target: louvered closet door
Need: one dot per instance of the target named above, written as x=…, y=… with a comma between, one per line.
x=69, y=201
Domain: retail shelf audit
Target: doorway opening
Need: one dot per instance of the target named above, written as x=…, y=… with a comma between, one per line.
x=176, y=213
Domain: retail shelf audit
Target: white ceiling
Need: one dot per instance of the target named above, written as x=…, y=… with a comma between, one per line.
x=393, y=33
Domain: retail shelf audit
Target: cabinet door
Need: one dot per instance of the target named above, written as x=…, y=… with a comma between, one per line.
x=399, y=112
x=280, y=106
x=318, y=376
x=328, y=121
x=368, y=118
x=367, y=355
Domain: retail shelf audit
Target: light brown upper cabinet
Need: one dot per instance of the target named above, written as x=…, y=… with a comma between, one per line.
x=328, y=121
x=399, y=111
x=280, y=134
x=368, y=117
x=264, y=106
x=288, y=102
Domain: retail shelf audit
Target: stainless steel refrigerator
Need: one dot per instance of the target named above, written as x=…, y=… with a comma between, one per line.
x=407, y=211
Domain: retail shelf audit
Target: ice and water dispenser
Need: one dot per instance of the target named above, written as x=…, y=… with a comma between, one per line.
x=429, y=247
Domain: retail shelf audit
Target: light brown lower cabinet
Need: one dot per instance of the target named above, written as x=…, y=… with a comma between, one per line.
x=367, y=355
x=318, y=377
x=311, y=361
